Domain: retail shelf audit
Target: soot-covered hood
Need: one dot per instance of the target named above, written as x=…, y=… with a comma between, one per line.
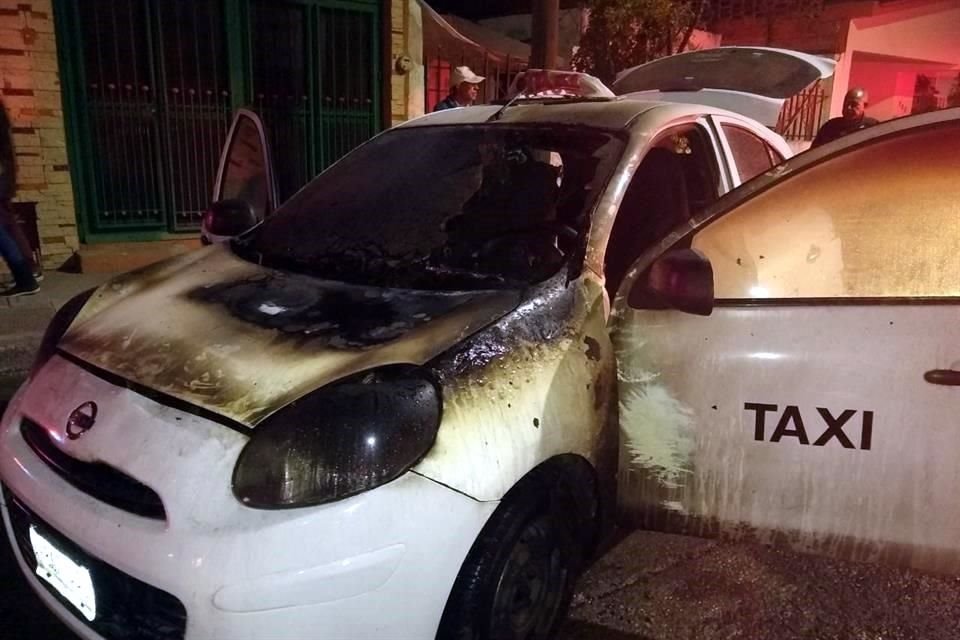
x=243, y=340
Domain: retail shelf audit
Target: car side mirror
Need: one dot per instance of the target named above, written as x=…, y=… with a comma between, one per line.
x=681, y=279
x=226, y=219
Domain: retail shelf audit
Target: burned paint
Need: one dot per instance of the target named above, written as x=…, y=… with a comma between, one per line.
x=145, y=278
x=213, y=334
x=545, y=314
x=657, y=428
x=243, y=341
x=523, y=390
x=593, y=348
x=339, y=315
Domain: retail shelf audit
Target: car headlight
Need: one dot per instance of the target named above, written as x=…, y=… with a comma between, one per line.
x=350, y=436
x=58, y=326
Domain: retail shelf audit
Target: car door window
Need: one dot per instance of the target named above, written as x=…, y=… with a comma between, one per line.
x=245, y=172
x=697, y=157
x=677, y=178
x=750, y=152
x=882, y=220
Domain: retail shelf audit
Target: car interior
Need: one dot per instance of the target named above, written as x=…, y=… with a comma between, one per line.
x=677, y=179
x=528, y=211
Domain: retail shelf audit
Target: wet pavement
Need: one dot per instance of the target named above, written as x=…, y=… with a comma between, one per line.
x=657, y=587
x=23, y=320
x=22, y=615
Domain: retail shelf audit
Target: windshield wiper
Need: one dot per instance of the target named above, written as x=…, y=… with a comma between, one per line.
x=508, y=103
x=241, y=247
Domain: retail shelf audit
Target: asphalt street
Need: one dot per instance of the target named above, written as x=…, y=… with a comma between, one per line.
x=655, y=586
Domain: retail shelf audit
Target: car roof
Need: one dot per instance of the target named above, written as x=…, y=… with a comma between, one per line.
x=605, y=114
x=615, y=114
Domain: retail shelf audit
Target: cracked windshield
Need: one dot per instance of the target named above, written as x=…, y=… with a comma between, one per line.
x=474, y=208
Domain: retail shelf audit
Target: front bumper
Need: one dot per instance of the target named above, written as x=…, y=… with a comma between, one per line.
x=379, y=564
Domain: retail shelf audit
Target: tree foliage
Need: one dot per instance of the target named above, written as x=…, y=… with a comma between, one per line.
x=625, y=33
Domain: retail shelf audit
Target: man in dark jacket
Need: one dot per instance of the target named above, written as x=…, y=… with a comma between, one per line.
x=853, y=118
x=20, y=265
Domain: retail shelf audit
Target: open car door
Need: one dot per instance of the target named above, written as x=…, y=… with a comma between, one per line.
x=751, y=81
x=245, y=188
x=789, y=366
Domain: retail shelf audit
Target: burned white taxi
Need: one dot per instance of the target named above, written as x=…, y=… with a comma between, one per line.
x=391, y=409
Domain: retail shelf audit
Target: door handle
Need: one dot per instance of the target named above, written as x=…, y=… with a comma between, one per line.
x=948, y=377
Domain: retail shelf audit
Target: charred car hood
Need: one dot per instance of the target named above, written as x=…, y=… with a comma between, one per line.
x=242, y=340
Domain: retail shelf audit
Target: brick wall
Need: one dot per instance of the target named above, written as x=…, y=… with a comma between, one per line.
x=813, y=27
x=407, y=90
x=30, y=88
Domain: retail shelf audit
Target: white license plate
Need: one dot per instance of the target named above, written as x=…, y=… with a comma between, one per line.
x=71, y=580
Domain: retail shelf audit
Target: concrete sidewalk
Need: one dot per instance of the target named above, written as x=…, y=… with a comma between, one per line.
x=23, y=321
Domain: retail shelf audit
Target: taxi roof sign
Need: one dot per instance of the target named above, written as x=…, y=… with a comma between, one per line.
x=536, y=84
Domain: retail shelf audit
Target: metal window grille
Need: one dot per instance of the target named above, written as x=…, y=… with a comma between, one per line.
x=152, y=96
x=156, y=96
x=499, y=73
x=438, y=81
x=802, y=114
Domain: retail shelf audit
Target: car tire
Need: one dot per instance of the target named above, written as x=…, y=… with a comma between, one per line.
x=518, y=578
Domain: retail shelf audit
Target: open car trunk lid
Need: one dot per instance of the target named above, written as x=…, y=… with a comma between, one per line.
x=751, y=81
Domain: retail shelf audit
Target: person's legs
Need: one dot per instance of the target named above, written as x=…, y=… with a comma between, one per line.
x=9, y=222
x=25, y=284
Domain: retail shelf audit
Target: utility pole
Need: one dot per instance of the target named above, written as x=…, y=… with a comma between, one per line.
x=546, y=27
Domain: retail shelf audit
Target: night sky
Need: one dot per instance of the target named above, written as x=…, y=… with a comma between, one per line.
x=484, y=8
x=480, y=8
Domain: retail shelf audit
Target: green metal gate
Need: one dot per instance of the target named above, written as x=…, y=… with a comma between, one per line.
x=149, y=102
x=306, y=86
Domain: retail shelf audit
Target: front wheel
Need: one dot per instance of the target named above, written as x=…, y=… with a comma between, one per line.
x=534, y=587
x=518, y=578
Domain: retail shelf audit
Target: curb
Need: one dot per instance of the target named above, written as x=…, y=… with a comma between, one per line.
x=23, y=322
x=17, y=352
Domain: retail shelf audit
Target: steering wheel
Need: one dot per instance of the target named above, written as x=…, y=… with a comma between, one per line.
x=537, y=242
